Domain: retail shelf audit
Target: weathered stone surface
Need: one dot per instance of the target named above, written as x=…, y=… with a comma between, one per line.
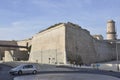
x=49, y=46
x=9, y=55
x=69, y=43
x=111, y=32
x=19, y=53
x=79, y=45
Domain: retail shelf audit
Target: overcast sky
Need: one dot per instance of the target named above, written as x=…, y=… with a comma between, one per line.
x=21, y=19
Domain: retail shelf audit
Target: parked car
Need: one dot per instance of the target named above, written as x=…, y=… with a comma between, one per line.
x=23, y=69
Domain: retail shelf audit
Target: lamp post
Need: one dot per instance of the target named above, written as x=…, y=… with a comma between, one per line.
x=117, y=56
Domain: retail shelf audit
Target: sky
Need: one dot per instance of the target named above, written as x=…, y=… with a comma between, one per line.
x=21, y=19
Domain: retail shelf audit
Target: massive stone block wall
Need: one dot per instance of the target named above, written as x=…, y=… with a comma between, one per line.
x=26, y=42
x=17, y=53
x=69, y=43
x=79, y=45
x=62, y=43
x=105, y=51
x=118, y=50
x=48, y=46
x=3, y=49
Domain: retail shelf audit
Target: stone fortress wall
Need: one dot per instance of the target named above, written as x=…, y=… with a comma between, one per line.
x=69, y=42
x=9, y=50
x=63, y=43
x=48, y=46
x=79, y=45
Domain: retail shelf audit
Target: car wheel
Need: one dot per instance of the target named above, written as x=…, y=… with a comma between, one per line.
x=34, y=72
x=19, y=72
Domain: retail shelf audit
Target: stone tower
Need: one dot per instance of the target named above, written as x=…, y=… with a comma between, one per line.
x=111, y=32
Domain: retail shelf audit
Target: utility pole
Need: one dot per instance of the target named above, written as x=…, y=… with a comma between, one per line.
x=117, y=57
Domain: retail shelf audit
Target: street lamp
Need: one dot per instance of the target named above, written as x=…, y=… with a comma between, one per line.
x=117, y=56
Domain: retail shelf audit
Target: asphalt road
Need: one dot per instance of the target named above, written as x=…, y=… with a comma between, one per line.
x=4, y=75
x=85, y=70
x=64, y=76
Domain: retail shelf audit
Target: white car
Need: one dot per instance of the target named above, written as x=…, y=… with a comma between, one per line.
x=23, y=68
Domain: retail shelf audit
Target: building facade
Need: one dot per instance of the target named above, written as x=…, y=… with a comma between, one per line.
x=64, y=43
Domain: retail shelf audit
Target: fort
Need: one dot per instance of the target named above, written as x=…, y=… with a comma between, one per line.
x=64, y=43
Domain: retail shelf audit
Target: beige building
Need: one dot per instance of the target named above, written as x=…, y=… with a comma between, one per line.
x=68, y=43
x=63, y=43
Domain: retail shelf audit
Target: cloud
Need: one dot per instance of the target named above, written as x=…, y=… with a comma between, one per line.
x=23, y=18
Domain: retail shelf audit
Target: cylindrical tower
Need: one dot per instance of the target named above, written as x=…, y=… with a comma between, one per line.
x=111, y=32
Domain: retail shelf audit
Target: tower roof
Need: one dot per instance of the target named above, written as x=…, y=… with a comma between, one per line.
x=111, y=21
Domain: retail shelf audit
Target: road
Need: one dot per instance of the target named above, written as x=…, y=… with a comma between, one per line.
x=4, y=75
x=68, y=76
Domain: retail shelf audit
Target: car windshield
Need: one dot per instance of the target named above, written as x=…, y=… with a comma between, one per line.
x=19, y=66
x=28, y=66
